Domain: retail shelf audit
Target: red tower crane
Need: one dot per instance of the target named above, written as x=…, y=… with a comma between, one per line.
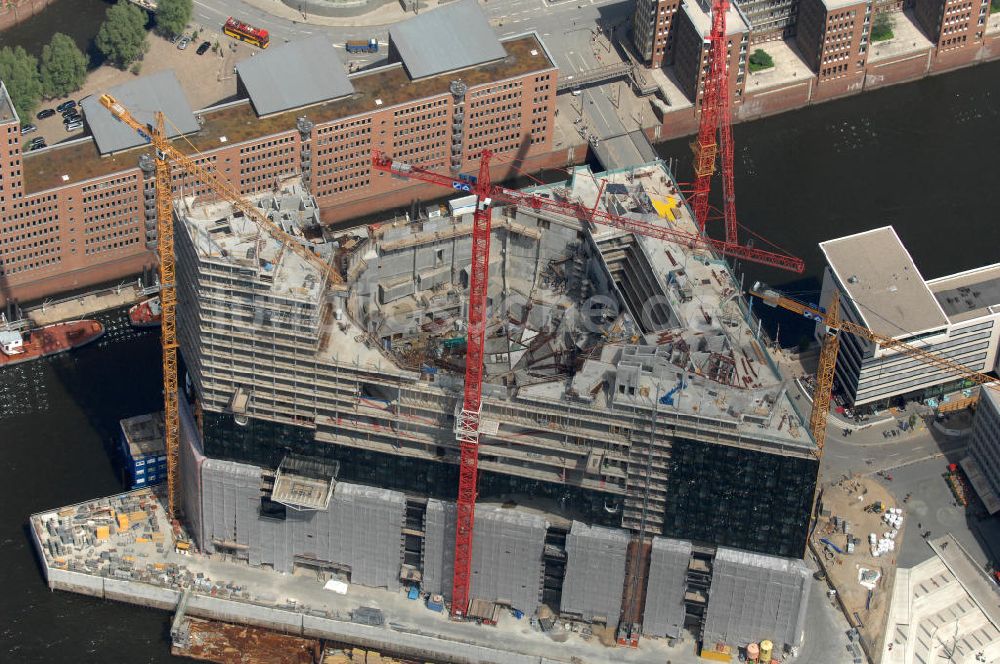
x=467, y=428
x=715, y=130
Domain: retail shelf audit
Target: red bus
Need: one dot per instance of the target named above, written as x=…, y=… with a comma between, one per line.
x=244, y=32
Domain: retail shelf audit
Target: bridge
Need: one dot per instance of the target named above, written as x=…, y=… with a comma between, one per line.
x=607, y=74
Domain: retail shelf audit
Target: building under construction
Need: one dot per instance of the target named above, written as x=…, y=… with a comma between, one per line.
x=631, y=424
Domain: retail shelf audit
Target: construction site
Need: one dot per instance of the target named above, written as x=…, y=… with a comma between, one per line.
x=638, y=452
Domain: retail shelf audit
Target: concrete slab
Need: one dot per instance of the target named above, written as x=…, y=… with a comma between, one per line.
x=907, y=38
x=789, y=67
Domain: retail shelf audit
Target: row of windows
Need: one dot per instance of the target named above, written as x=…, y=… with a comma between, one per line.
x=271, y=165
x=409, y=110
x=107, y=184
x=30, y=266
x=327, y=191
x=113, y=235
x=114, y=224
x=267, y=144
x=32, y=245
x=340, y=126
x=92, y=215
x=121, y=244
x=6, y=238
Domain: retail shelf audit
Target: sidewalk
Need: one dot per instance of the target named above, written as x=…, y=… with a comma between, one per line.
x=380, y=17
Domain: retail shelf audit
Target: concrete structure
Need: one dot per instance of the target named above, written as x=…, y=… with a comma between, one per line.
x=613, y=362
x=595, y=573
x=882, y=289
x=692, y=49
x=755, y=597
x=667, y=591
x=73, y=216
x=833, y=37
x=943, y=609
x=982, y=466
x=953, y=24
x=653, y=31
x=623, y=386
x=506, y=554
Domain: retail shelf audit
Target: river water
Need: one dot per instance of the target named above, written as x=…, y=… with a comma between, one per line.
x=918, y=156
x=80, y=19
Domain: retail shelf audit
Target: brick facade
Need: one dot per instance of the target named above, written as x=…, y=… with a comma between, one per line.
x=73, y=218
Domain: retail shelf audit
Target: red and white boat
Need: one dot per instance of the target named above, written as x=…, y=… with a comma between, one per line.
x=17, y=347
x=146, y=314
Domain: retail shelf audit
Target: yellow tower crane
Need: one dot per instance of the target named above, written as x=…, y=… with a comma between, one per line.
x=831, y=345
x=166, y=157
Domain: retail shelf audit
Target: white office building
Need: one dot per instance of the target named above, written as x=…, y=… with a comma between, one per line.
x=882, y=289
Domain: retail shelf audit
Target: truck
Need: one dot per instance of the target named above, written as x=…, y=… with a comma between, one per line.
x=362, y=46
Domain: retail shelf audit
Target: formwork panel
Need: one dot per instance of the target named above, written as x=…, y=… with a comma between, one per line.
x=595, y=572
x=361, y=530
x=506, y=554
x=668, y=564
x=755, y=597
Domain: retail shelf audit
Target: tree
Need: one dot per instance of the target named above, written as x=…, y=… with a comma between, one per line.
x=172, y=16
x=760, y=59
x=64, y=66
x=122, y=37
x=882, y=27
x=19, y=72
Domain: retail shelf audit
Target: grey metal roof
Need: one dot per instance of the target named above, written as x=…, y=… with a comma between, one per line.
x=451, y=37
x=142, y=97
x=294, y=75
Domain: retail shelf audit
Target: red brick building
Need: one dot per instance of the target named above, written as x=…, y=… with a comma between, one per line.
x=74, y=216
x=953, y=24
x=692, y=50
x=653, y=30
x=833, y=36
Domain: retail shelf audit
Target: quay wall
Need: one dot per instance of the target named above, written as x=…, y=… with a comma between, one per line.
x=15, y=11
x=400, y=643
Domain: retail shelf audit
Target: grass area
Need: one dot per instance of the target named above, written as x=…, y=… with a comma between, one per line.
x=761, y=60
x=882, y=36
x=882, y=27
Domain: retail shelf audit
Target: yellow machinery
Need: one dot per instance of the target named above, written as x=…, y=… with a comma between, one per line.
x=831, y=344
x=166, y=157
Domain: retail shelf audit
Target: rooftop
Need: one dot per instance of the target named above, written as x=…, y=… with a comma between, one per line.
x=969, y=294
x=220, y=234
x=294, y=75
x=143, y=96
x=878, y=274
x=144, y=434
x=452, y=37
x=235, y=123
x=701, y=17
x=7, y=113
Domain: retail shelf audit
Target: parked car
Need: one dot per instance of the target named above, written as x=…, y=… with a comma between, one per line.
x=65, y=106
x=203, y=48
x=36, y=140
x=45, y=113
x=183, y=43
x=28, y=128
x=37, y=146
x=73, y=126
x=76, y=117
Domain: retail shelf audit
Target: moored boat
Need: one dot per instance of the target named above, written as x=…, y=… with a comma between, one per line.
x=17, y=347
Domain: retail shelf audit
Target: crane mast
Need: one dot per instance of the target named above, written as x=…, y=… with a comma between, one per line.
x=467, y=429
